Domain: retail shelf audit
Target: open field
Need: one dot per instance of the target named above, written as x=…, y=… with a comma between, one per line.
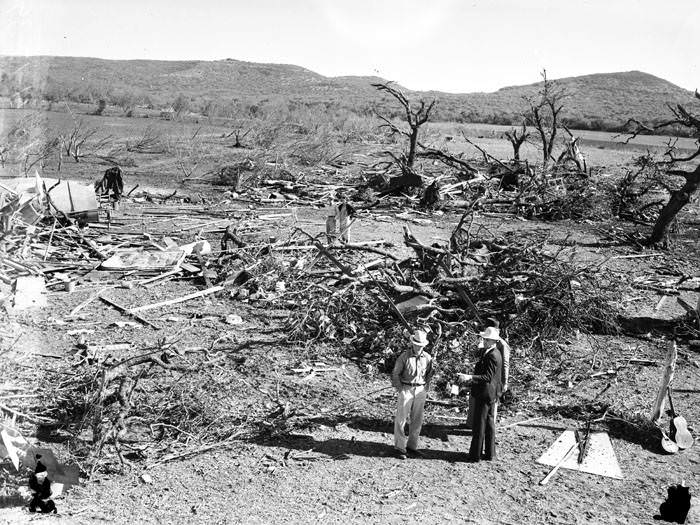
x=211, y=146
x=316, y=446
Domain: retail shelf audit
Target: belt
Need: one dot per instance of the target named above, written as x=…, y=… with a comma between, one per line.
x=413, y=384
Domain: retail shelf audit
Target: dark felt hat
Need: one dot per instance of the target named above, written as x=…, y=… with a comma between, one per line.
x=40, y=467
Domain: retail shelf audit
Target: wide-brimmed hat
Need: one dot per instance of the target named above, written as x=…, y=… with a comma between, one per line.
x=419, y=338
x=490, y=333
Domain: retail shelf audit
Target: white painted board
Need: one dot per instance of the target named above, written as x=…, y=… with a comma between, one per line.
x=600, y=458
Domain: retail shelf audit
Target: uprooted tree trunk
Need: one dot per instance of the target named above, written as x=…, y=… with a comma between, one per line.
x=680, y=197
x=675, y=204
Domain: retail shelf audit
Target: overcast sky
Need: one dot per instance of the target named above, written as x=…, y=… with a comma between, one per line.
x=447, y=45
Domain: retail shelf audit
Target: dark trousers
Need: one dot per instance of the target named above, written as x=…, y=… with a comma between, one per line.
x=483, y=431
x=44, y=505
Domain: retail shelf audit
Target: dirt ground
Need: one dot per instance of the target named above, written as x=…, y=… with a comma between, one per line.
x=341, y=468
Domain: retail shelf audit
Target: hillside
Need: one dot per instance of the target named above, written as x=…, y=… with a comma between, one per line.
x=598, y=101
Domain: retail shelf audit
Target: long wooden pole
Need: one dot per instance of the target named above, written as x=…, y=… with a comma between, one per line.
x=658, y=407
x=182, y=299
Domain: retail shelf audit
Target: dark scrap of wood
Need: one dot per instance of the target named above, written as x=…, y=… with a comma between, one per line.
x=359, y=247
x=443, y=403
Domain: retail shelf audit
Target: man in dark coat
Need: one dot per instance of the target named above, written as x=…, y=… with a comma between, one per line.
x=486, y=388
x=40, y=485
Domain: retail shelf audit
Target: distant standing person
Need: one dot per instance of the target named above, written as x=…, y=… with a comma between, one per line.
x=505, y=349
x=411, y=378
x=486, y=388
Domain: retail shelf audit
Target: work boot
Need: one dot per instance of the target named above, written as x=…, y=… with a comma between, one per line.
x=415, y=453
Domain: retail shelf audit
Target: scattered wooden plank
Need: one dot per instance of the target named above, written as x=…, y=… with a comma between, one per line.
x=126, y=311
x=87, y=301
x=671, y=357
x=177, y=300
x=520, y=422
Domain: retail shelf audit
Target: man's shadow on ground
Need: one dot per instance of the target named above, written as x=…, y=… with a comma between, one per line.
x=343, y=448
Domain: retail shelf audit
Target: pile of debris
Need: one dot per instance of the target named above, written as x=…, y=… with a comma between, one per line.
x=491, y=186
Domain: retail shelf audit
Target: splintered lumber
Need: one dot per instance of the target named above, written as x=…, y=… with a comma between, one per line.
x=88, y=301
x=126, y=311
x=182, y=299
x=671, y=356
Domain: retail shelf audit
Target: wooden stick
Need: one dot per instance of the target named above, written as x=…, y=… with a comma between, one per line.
x=520, y=422
x=199, y=450
x=182, y=299
x=129, y=313
x=546, y=479
x=28, y=417
x=456, y=418
x=342, y=405
x=161, y=276
x=88, y=301
x=53, y=229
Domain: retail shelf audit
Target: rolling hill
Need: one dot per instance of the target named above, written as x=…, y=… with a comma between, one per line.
x=597, y=101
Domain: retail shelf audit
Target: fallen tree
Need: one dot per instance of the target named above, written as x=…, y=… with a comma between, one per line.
x=675, y=165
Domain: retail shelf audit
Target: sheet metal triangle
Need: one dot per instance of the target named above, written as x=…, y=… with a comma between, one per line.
x=600, y=458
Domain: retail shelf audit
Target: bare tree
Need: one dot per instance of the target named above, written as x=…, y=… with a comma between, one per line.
x=517, y=140
x=101, y=105
x=239, y=136
x=181, y=105
x=415, y=118
x=76, y=138
x=543, y=114
x=81, y=141
x=38, y=153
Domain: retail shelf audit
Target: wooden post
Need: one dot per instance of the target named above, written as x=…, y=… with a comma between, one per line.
x=331, y=230
x=341, y=219
x=658, y=407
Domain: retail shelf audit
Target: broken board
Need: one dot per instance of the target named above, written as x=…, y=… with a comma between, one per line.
x=600, y=458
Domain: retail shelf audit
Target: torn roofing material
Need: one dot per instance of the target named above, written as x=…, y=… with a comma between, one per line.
x=28, y=198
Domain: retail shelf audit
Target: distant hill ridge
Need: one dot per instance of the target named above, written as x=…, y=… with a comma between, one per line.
x=597, y=101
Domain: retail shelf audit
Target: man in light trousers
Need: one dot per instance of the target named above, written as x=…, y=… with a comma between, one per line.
x=411, y=378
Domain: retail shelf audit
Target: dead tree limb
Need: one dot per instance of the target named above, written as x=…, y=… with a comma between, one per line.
x=486, y=154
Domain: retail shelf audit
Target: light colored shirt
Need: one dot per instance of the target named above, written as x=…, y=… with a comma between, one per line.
x=412, y=369
x=504, y=347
